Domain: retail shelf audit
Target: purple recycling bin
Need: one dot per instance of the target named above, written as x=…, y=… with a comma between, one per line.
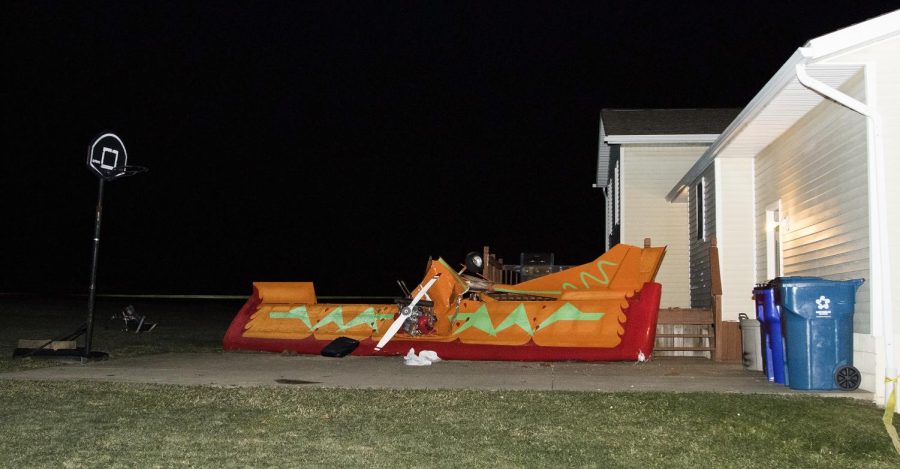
x=770, y=323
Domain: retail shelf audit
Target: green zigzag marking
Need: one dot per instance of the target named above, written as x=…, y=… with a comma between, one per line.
x=518, y=317
x=368, y=317
x=336, y=316
x=583, y=276
x=296, y=313
x=481, y=320
x=569, y=313
x=365, y=317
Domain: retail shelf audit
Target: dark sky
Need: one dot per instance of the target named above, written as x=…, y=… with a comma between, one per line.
x=344, y=142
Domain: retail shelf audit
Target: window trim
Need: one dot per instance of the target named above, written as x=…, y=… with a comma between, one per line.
x=618, y=195
x=700, y=206
x=774, y=229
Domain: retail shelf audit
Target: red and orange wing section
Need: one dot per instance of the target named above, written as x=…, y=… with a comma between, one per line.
x=603, y=310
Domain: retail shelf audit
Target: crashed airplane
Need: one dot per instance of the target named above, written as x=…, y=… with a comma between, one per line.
x=605, y=310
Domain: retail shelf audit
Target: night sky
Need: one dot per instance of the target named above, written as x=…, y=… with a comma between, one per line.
x=344, y=142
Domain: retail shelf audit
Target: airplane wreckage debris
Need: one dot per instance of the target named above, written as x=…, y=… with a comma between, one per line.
x=604, y=310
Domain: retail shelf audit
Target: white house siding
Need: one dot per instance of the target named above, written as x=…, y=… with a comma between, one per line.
x=649, y=171
x=735, y=234
x=818, y=170
x=700, y=280
x=886, y=77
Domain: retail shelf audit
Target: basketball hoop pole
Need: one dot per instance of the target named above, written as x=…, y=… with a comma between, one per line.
x=92, y=294
x=108, y=160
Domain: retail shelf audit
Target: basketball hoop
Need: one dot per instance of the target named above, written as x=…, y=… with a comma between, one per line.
x=108, y=160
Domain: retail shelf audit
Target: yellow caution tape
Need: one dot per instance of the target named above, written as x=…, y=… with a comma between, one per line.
x=889, y=408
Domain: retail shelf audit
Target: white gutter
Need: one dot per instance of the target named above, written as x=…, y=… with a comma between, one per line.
x=879, y=258
x=831, y=93
x=858, y=34
x=673, y=138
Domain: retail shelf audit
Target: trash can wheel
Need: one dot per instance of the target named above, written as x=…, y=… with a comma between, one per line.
x=847, y=378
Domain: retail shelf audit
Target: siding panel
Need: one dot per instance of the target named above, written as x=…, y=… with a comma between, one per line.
x=649, y=172
x=735, y=233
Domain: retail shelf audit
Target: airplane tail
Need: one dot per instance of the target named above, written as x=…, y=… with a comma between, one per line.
x=622, y=269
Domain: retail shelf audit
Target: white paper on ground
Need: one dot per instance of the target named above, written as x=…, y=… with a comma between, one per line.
x=429, y=355
x=425, y=358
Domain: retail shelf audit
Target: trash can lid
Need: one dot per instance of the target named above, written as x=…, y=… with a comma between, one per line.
x=791, y=282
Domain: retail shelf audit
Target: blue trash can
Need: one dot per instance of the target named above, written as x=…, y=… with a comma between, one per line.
x=773, y=342
x=818, y=326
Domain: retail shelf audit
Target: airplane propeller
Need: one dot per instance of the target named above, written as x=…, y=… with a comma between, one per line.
x=404, y=314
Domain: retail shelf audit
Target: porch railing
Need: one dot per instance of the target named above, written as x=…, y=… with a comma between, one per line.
x=498, y=272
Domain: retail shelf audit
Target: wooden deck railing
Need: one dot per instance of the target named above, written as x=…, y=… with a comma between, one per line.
x=498, y=272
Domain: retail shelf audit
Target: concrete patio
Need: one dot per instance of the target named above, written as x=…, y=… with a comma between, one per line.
x=264, y=369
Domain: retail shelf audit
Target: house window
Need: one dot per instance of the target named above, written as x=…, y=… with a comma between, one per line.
x=609, y=210
x=617, y=190
x=701, y=210
x=774, y=259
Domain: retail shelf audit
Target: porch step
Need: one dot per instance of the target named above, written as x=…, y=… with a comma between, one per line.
x=686, y=316
x=711, y=335
x=697, y=326
x=664, y=348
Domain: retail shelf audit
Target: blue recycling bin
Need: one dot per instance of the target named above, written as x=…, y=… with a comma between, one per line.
x=818, y=325
x=773, y=343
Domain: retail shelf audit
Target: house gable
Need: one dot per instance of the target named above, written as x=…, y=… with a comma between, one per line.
x=644, y=151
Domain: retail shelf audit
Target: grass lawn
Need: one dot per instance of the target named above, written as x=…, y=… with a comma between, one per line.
x=89, y=424
x=81, y=424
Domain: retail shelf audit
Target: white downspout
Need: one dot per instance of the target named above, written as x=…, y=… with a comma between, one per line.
x=880, y=283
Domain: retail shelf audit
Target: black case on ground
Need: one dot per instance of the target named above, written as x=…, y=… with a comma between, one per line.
x=340, y=347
